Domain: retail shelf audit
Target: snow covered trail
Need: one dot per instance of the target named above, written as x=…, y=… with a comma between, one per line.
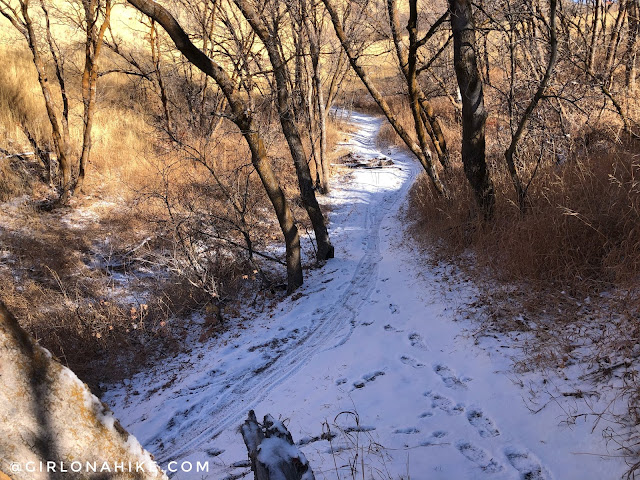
x=373, y=334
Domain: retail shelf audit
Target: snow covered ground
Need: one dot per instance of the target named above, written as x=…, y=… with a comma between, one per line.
x=372, y=348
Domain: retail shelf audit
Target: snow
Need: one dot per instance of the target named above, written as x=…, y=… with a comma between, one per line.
x=370, y=358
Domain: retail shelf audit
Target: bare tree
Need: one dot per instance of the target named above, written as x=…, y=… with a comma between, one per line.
x=241, y=115
x=521, y=190
x=425, y=120
x=595, y=31
x=94, y=38
x=20, y=17
x=270, y=38
x=474, y=114
x=94, y=20
x=421, y=152
x=631, y=50
x=309, y=17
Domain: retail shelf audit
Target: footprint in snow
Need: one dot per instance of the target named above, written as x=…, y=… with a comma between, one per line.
x=335, y=449
x=416, y=341
x=407, y=431
x=390, y=328
x=449, y=378
x=478, y=456
x=359, y=428
x=527, y=466
x=485, y=426
x=214, y=452
x=393, y=308
x=369, y=377
x=445, y=404
x=412, y=362
x=435, y=439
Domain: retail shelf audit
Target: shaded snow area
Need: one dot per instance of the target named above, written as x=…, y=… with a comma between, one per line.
x=369, y=364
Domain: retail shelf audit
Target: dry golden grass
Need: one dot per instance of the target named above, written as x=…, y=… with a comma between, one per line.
x=20, y=100
x=122, y=137
x=581, y=232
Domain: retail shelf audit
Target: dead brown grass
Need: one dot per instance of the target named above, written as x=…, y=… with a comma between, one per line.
x=581, y=232
x=69, y=280
x=17, y=177
x=20, y=101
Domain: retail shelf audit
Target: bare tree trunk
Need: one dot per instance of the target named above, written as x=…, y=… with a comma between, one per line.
x=614, y=43
x=313, y=125
x=631, y=52
x=314, y=46
x=241, y=116
x=474, y=114
x=58, y=135
x=521, y=190
x=155, y=59
x=299, y=85
x=59, y=69
x=336, y=80
x=290, y=130
x=421, y=107
x=93, y=46
x=591, y=54
x=412, y=80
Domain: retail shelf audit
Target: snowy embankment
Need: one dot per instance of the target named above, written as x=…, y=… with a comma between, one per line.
x=371, y=348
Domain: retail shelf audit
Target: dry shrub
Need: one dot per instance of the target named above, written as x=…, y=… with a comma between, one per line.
x=101, y=339
x=581, y=231
x=17, y=177
x=104, y=313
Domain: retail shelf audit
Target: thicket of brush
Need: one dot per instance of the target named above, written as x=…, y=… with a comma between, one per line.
x=581, y=230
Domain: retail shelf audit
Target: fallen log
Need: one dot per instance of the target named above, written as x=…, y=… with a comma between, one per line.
x=272, y=453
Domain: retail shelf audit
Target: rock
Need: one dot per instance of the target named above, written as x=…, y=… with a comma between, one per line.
x=48, y=415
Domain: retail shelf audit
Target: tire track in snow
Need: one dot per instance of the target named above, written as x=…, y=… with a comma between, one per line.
x=231, y=406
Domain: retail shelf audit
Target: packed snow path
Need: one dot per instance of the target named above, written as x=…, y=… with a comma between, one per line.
x=375, y=333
